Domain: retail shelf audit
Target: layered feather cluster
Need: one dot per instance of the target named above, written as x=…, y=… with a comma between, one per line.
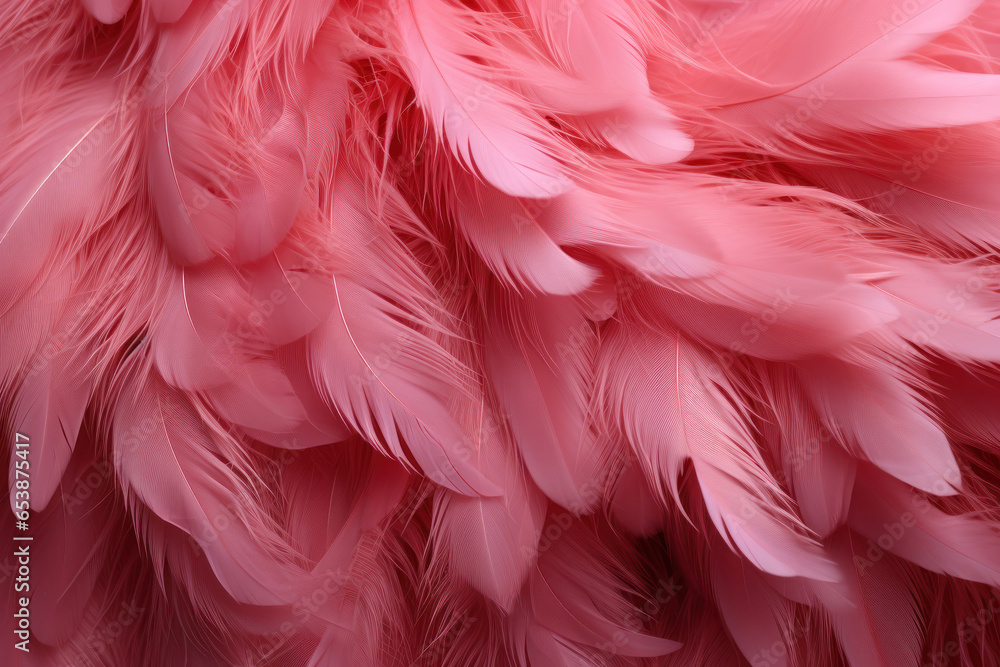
x=502, y=332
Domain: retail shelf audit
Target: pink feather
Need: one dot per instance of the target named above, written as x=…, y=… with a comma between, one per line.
x=493, y=542
x=891, y=426
x=186, y=486
x=510, y=333
x=486, y=125
x=539, y=356
x=674, y=407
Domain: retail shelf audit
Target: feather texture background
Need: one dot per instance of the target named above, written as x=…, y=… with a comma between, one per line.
x=500, y=332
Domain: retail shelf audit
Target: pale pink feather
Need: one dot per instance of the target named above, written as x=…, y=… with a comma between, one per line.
x=507, y=332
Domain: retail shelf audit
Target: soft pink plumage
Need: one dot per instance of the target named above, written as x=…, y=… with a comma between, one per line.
x=501, y=332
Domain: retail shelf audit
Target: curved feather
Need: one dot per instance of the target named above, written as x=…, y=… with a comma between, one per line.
x=377, y=360
x=169, y=11
x=673, y=403
x=48, y=175
x=819, y=471
x=880, y=417
x=492, y=542
x=505, y=232
x=906, y=523
x=868, y=86
x=190, y=47
x=50, y=407
x=723, y=280
x=539, y=355
x=577, y=596
x=393, y=399
x=948, y=308
x=162, y=457
x=335, y=496
x=758, y=618
x=599, y=45
x=487, y=126
x=78, y=527
x=874, y=611
x=107, y=11
x=927, y=182
x=188, y=340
